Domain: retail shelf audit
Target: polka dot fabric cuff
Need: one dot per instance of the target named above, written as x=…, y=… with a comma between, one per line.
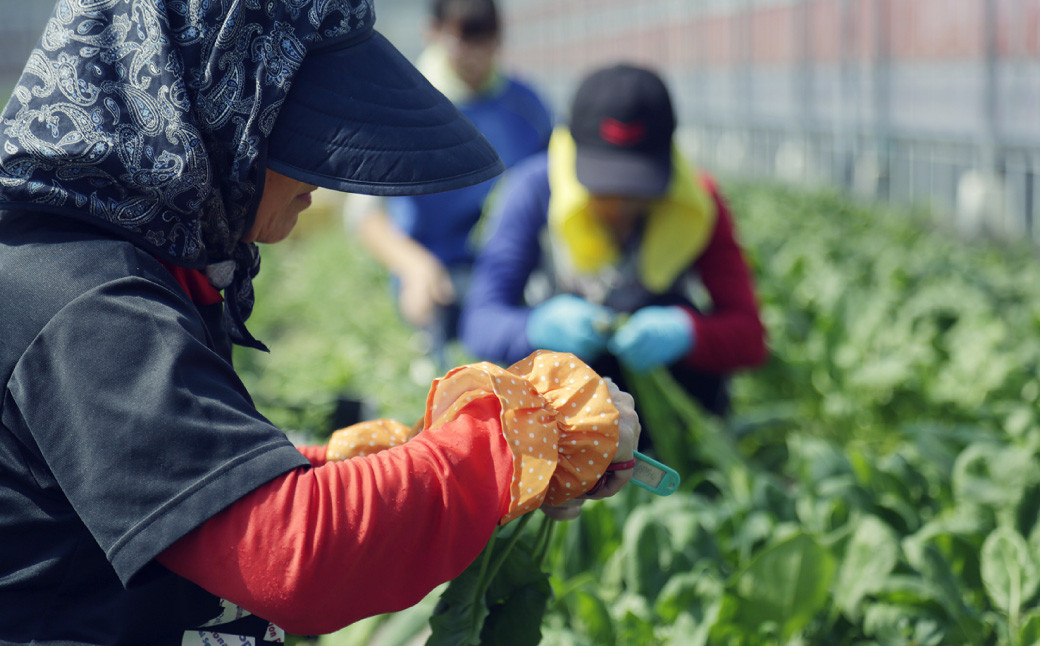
x=366, y=438
x=557, y=417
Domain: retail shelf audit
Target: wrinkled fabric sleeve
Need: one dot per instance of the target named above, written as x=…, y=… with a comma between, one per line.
x=557, y=417
x=146, y=431
x=731, y=335
x=315, y=454
x=318, y=549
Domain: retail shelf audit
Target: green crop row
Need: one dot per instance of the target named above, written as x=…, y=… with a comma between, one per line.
x=876, y=484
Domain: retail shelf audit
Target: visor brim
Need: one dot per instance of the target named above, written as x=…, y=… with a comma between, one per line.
x=613, y=173
x=362, y=119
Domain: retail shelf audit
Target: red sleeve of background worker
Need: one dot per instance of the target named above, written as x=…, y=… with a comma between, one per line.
x=315, y=454
x=731, y=335
x=318, y=549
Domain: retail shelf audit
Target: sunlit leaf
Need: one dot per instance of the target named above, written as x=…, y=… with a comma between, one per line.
x=786, y=584
x=871, y=554
x=1009, y=570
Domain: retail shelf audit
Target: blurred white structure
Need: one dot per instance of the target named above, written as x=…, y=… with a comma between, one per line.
x=913, y=101
x=922, y=101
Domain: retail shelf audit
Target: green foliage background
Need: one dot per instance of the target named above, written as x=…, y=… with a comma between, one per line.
x=877, y=483
x=324, y=309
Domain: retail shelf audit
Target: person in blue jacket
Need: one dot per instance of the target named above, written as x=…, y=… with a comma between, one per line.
x=425, y=241
x=616, y=248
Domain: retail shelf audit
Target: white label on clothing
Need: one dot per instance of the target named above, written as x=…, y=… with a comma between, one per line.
x=203, y=638
x=228, y=612
x=274, y=635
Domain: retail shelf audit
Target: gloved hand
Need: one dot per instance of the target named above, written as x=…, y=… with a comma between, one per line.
x=653, y=336
x=567, y=323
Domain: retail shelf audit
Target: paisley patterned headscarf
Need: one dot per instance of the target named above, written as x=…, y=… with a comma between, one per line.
x=151, y=118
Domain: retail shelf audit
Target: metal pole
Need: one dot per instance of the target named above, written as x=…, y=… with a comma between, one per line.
x=846, y=96
x=805, y=80
x=882, y=91
x=746, y=58
x=990, y=94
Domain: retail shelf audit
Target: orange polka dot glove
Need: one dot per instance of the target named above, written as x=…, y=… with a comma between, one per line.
x=557, y=417
x=366, y=438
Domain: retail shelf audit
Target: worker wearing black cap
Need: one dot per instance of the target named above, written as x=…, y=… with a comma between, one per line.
x=599, y=246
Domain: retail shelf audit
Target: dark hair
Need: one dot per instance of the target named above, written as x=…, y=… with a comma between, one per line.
x=476, y=18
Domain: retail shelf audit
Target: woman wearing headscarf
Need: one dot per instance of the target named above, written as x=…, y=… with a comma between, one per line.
x=143, y=499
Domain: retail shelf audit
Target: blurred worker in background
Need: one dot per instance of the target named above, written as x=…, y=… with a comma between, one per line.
x=425, y=241
x=621, y=233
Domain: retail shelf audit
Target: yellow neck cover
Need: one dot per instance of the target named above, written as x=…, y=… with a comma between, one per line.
x=679, y=226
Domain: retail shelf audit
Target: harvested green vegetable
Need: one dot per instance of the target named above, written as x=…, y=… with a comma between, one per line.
x=501, y=597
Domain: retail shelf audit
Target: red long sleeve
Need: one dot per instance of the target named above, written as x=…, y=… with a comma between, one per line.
x=731, y=335
x=317, y=549
x=315, y=454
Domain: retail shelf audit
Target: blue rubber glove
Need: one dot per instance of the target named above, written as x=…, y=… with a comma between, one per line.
x=567, y=323
x=653, y=336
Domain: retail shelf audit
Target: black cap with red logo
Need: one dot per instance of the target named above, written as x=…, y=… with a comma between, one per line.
x=622, y=122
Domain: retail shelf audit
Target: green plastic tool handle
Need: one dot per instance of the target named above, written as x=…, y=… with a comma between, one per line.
x=654, y=476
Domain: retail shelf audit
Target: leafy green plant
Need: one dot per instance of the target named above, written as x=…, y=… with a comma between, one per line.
x=501, y=597
x=877, y=482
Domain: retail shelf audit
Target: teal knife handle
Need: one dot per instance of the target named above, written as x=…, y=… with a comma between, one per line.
x=654, y=476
